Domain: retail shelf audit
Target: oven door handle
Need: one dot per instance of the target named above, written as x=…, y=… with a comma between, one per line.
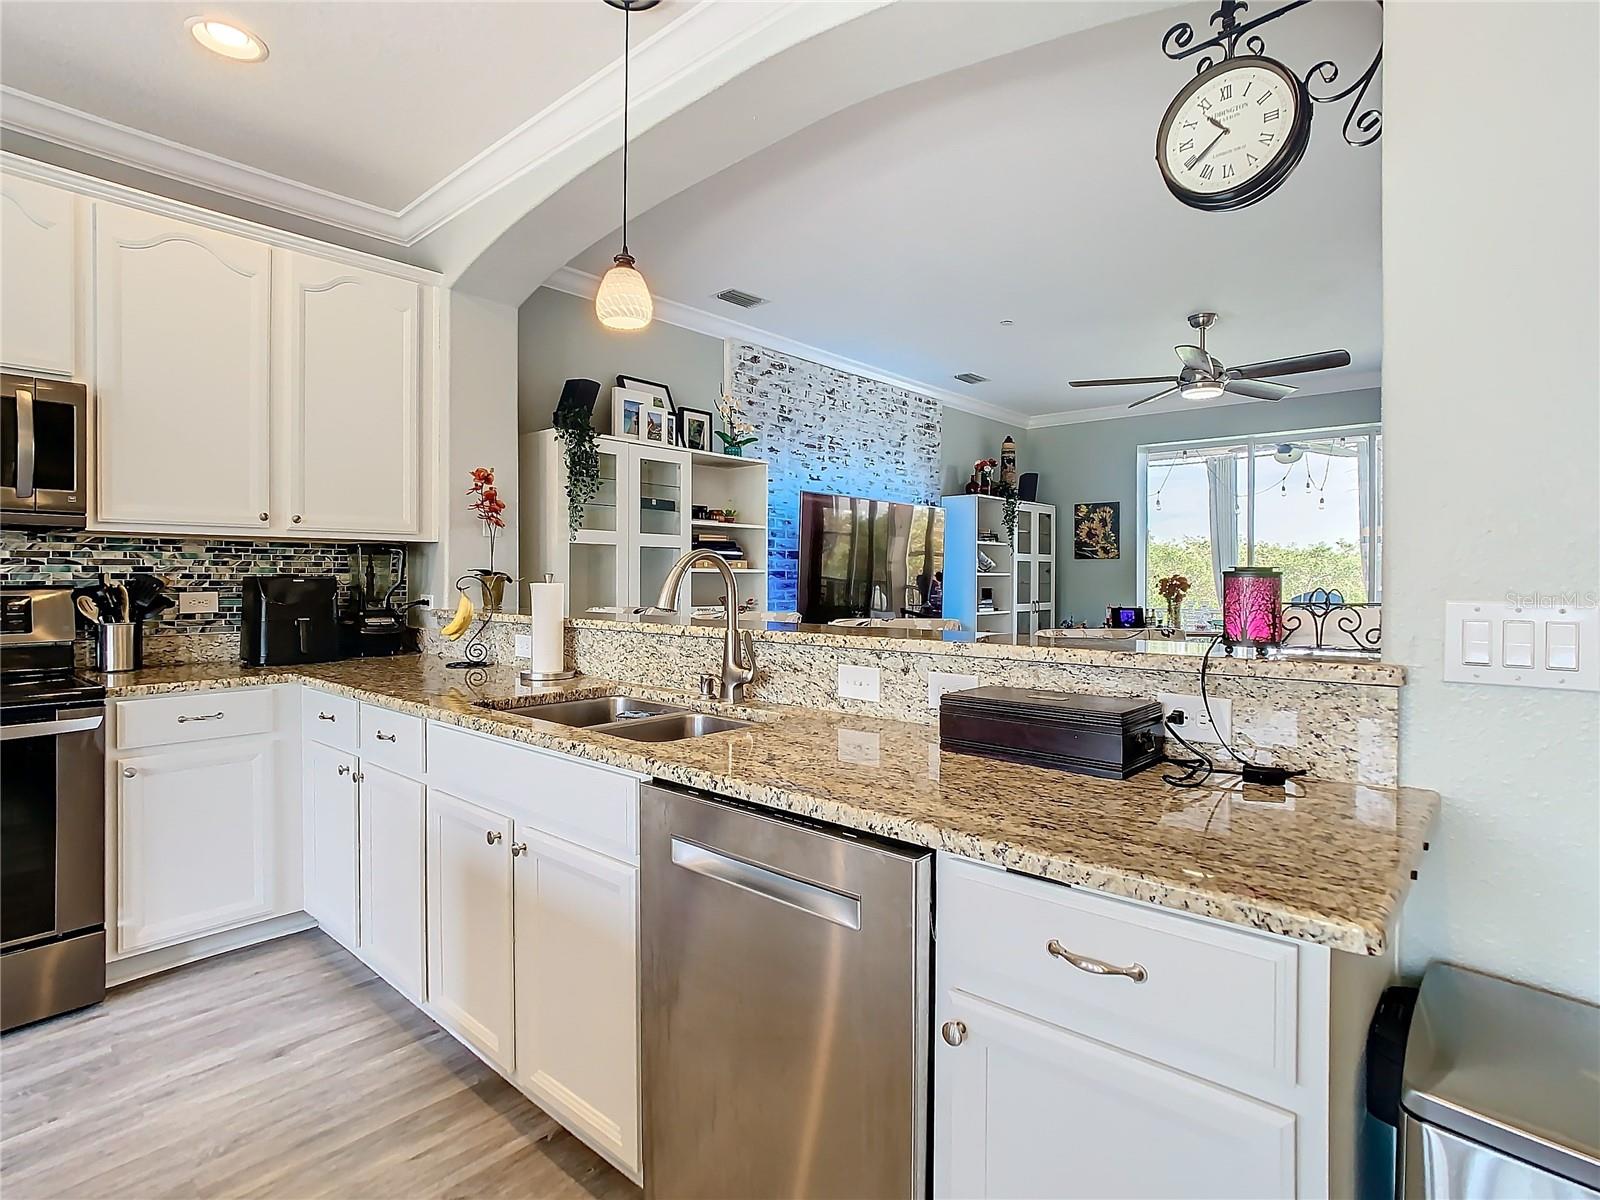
x=11, y=733
x=25, y=443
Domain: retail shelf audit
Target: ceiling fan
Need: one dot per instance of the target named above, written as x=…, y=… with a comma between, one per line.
x=1205, y=378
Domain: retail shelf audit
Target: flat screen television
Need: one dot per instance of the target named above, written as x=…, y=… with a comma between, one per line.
x=869, y=558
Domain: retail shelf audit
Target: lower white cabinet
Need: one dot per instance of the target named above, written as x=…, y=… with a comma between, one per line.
x=1029, y=1109
x=332, y=842
x=195, y=845
x=576, y=922
x=470, y=987
x=393, y=909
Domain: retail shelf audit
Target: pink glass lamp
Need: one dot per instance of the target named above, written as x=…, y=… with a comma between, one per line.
x=1252, y=608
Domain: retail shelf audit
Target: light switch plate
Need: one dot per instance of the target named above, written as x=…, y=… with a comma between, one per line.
x=940, y=682
x=1196, y=726
x=197, y=602
x=524, y=645
x=1544, y=643
x=859, y=683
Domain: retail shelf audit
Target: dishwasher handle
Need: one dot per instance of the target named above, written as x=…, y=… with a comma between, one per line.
x=800, y=894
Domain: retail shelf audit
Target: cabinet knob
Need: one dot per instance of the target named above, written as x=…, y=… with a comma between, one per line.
x=518, y=849
x=954, y=1032
x=344, y=769
x=128, y=772
x=493, y=837
x=296, y=518
x=358, y=777
x=263, y=516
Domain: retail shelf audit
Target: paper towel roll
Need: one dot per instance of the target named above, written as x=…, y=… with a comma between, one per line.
x=546, y=606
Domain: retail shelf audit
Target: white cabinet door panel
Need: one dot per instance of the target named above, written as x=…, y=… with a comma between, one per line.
x=195, y=843
x=350, y=376
x=39, y=285
x=393, y=912
x=577, y=990
x=1023, y=1109
x=331, y=841
x=182, y=348
x=470, y=985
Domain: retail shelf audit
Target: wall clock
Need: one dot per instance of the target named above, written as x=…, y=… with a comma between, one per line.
x=1234, y=133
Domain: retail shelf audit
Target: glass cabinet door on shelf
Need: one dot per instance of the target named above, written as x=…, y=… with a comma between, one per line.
x=662, y=486
x=1045, y=534
x=600, y=514
x=1024, y=538
x=599, y=578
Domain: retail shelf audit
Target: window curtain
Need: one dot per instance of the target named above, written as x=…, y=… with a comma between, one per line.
x=1364, y=502
x=1222, y=476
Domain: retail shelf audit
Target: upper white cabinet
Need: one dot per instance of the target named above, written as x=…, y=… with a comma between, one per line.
x=182, y=360
x=39, y=286
x=349, y=378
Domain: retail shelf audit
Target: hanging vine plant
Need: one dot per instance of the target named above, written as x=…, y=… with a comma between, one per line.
x=583, y=461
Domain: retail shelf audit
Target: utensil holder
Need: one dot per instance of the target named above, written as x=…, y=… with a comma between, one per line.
x=116, y=648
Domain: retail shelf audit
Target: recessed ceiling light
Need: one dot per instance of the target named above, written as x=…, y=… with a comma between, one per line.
x=228, y=40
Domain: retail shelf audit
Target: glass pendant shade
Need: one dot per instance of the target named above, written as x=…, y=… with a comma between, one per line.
x=623, y=301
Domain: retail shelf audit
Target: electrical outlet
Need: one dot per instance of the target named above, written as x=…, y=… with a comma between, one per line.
x=524, y=645
x=427, y=600
x=197, y=602
x=859, y=683
x=1195, y=726
x=940, y=682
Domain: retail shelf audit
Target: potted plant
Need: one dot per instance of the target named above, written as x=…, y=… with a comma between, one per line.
x=1173, y=589
x=739, y=433
x=582, y=455
x=488, y=507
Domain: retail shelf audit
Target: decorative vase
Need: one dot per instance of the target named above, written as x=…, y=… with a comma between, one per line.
x=493, y=586
x=733, y=450
x=1174, y=614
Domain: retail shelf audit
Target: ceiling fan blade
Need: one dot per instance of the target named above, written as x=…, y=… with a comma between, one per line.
x=1258, y=389
x=1118, y=382
x=1300, y=363
x=1157, y=396
x=1197, y=359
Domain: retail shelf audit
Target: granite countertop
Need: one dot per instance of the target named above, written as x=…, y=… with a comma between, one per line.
x=1323, y=862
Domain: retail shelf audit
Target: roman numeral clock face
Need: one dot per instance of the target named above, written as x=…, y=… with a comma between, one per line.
x=1233, y=134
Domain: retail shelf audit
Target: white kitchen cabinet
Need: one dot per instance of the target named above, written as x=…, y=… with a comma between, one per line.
x=577, y=990
x=348, y=379
x=1028, y=1109
x=332, y=841
x=195, y=845
x=39, y=286
x=182, y=360
x=470, y=960
x=392, y=904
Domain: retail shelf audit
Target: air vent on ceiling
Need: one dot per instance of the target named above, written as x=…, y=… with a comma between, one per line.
x=740, y=299
x=969, y=377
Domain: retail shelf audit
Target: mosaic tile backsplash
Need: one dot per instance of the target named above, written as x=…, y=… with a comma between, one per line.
x=824, y=430
x=40, y=558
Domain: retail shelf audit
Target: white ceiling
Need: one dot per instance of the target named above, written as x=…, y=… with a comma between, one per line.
x=900, y=232
x=376, y=103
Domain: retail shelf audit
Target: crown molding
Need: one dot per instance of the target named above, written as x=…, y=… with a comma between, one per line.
x=684, y=60
x=1345, y=382
x=584, y=285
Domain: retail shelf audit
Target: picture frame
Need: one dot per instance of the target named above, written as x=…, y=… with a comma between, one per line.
x=627, y=412
x=694, y=429
x=1097, y=530
x=657, y=426
x=634, y=384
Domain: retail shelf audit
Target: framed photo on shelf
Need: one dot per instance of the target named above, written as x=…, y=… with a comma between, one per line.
x=658, y=426
x=645, y=385
x=627, y=409
x=694, y=429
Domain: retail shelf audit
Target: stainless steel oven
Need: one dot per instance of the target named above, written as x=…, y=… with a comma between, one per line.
x=44, y=454
x=52, y=814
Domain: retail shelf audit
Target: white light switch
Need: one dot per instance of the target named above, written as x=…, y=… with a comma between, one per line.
x=859, y=683
x=1475, y=643
x=1561, y=646
x=1516, y=648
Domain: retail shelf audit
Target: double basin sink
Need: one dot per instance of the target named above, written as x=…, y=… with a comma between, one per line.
x=623, y=716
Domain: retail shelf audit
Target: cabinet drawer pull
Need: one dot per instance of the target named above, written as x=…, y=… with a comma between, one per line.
x=954, y=1032
x=1094, y=966
x=216, y=716
x=493, y=836
x=518, y=849
x=386, y=737
x=322, y=716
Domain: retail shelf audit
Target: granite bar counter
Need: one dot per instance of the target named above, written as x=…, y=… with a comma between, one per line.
x=1326, y=862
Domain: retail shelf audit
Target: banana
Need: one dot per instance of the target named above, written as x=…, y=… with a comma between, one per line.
x=458, y=623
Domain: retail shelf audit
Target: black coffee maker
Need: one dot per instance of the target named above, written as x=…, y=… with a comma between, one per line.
x=289, y=619
x=373, y=621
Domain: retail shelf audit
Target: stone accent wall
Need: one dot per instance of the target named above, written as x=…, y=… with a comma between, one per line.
x=824, y=430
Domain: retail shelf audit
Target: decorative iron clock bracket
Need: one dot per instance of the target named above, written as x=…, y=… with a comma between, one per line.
x=1362, y=126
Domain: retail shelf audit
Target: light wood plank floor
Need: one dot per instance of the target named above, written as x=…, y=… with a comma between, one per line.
x=287, y=1071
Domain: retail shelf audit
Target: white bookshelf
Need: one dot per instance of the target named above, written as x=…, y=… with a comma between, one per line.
x=1022, y=582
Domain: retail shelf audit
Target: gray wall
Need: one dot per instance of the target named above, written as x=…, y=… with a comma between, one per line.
x=1096, y=460
x=1490, y=472
x=968, y=438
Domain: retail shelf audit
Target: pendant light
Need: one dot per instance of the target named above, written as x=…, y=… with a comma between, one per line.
x=623, y=301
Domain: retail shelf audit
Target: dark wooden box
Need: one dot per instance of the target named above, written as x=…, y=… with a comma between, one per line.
x=1106, y=736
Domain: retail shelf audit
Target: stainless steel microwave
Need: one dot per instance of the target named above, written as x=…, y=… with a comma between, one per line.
x=44, y=457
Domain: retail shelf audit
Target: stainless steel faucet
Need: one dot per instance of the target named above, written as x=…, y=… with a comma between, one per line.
x=738, y=651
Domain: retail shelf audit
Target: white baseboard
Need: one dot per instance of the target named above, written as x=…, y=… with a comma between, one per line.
x=152, y=962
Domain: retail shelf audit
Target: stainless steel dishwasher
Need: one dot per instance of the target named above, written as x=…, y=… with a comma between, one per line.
x=785, y=971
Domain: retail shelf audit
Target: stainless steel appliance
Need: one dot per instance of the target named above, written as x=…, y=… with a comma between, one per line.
x=52, y=814
x=43, y=452
x=1499, y=1096
x=785, y=997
